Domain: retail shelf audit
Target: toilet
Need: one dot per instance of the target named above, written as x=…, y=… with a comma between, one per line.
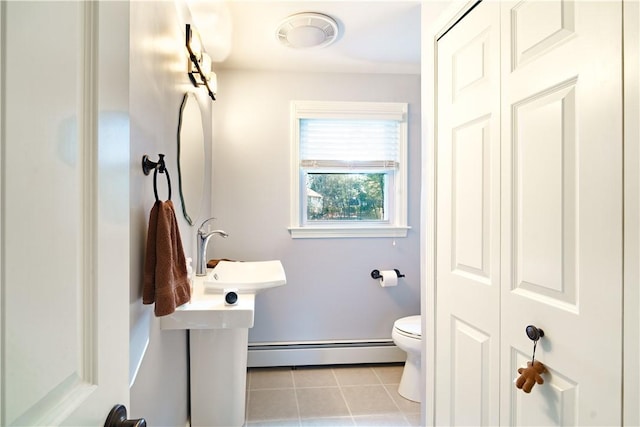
x=407, y=335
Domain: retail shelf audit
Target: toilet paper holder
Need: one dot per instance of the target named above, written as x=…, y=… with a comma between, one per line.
x=375, y=274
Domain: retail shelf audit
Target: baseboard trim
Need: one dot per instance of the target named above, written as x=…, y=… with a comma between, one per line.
x=323, y=353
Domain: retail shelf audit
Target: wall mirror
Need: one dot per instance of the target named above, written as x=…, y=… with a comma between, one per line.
x=190, y=157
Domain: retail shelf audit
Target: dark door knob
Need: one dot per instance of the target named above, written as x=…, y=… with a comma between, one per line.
x=118, y=418
x=534, y=333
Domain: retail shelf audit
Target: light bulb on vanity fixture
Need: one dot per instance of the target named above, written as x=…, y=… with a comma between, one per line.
x=209, y=74
x=199, y=63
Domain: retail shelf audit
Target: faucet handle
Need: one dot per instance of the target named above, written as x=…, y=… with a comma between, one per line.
x=201, y=228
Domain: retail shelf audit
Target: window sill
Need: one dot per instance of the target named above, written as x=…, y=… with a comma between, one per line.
x=328, y=232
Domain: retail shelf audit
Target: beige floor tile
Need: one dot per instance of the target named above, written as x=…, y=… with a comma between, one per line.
x=391, y=420
x=414, y=419
x=332, y=396
x=406, y=406
x=369, y=400
x=274, y=423
x=389, y=374
x=321, y=402
x=314, y=377
x=265, y=405
x=263, y=378
x=327, y=422
x=361, y=375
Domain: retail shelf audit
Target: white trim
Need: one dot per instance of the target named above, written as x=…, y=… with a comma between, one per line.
x=88, y=132
x=352, y=110
x=631, y=179
x=355, y=110
x=3, y=169
x=323, y=353
x=138, y=338
x=337, y=232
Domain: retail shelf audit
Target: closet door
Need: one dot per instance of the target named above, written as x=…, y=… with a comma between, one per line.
x=468, y=221
x=562, y=210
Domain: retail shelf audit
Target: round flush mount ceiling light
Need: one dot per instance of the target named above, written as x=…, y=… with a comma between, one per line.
x=307, y=30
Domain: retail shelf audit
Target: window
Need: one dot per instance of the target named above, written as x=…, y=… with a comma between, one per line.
x=349, y=174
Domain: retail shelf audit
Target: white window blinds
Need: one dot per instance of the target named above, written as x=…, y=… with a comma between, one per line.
x=349, y=143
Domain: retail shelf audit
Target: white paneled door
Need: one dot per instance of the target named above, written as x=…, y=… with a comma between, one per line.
x=529, y=213
x=64, y=212
x=562, y=209
x=468, y=218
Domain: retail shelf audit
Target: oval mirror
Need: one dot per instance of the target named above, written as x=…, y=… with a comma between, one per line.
x=190, y=156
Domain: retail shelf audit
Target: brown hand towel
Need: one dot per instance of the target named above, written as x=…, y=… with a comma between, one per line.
x=165, y=280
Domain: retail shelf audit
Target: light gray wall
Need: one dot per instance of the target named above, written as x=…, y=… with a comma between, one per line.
x=158, y=81
x=329, y=293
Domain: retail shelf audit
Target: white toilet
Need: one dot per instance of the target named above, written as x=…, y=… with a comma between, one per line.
x=407, y=335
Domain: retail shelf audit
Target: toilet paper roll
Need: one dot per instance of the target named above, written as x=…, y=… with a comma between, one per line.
x=388, y=278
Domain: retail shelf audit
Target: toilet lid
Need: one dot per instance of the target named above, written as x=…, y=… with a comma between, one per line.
x=411, y=325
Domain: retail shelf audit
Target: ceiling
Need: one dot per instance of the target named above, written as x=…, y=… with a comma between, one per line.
x=374, y=36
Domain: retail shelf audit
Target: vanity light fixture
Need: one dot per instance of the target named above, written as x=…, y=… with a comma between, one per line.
x=199, y=63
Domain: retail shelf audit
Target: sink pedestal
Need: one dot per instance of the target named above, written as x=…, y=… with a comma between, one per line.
x=218, y=340
x=218, y=360
x=219, y=337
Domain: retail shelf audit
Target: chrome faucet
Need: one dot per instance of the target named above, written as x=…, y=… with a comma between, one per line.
x=203, y=239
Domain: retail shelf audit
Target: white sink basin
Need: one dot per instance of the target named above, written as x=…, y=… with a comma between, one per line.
x=209, y=311
x=246, y=277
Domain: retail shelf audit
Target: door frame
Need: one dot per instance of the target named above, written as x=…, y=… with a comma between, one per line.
x=631, y=194
x=432, y=30
x=2, y=139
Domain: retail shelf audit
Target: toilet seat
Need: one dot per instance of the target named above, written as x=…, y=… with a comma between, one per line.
x=410, y=327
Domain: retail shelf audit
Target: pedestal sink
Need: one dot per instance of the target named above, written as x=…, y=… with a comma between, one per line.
x=218, y=337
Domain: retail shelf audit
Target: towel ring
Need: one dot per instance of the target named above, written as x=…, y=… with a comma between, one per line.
x=158, y=166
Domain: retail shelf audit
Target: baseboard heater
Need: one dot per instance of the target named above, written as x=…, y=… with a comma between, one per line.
x=323, y=353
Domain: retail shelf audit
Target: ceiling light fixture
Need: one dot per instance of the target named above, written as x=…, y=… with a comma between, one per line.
x=307, y=30
x=199, y=63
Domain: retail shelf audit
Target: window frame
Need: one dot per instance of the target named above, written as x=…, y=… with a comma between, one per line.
x=396, y=225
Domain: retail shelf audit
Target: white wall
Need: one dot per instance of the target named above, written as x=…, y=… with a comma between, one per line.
x=329, y=293
x=158, y=79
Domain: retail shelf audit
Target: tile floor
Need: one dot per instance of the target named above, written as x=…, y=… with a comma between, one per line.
x=360, y=395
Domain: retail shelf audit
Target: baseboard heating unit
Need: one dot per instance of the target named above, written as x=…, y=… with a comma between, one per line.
x=323, y=353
